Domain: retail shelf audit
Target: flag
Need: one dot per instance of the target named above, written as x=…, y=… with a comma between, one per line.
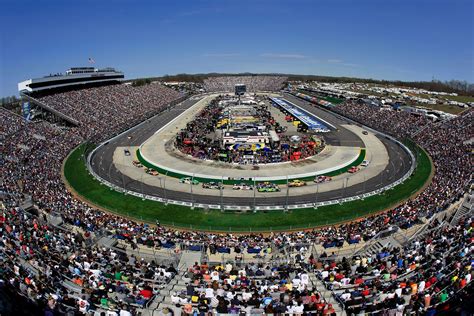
x=91, y=61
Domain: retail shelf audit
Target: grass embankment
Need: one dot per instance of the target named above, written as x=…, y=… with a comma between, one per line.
x=90, y=190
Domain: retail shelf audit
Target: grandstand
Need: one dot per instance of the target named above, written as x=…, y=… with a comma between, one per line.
x=62, y=255
x=252, y=83
x=73, y=77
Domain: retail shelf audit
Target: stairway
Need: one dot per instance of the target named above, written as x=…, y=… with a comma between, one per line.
x=326, y=294
x=178, y=283
x=188, y=258
x=373, y=248
x=107, y=242
x=403, y=236
x=464, y=209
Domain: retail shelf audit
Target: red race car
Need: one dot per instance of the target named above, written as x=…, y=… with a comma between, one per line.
x=353, y=169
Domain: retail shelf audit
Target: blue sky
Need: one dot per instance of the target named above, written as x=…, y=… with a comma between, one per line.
x=390, y=39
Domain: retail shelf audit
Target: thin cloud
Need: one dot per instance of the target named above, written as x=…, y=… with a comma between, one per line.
x=190, y=14
x=221, y=55
x=341, y=62
x=350, y=65
x=200, y=12
x=288, y=56
x=166, y=21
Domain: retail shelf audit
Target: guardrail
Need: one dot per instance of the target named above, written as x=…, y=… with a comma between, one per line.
x=223, y=207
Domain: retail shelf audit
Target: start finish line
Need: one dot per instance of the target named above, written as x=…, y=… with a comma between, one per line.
x=310, y=120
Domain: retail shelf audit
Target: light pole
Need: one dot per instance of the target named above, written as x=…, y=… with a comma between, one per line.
x=347, y=183
x=123, y=181
x=164, y=187
x=254, y=194
x=110, y=168
x=363, y=185
x=192, y=196
x=141, y=184
x=316, y=196
x=123, y=176
x=342, y=187
x=221, y=188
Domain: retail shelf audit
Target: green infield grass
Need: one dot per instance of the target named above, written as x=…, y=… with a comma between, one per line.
x=86, y=187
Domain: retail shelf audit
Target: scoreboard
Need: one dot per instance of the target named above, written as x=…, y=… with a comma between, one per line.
x=240, y=89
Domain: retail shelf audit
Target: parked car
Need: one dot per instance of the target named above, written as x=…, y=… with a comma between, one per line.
x=322, y=179
x=188, y=180
x=212, y=185
x=296, y=183
x=242, y=186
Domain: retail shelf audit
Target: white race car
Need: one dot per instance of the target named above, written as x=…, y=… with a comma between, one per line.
x=242, y=186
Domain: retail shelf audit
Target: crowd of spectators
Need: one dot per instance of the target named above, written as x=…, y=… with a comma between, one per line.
x=418, y=278
x=253, y=289
x=32, y=154
x=445, y=141
x=106, y=109
x=38, y=149
x=404, y=124
x=252, y=83
x=63, y=270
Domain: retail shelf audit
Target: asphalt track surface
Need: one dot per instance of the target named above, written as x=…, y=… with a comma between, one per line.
x=102, y=163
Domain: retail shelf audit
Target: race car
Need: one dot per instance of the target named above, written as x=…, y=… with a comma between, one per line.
x=365, y=132
x=151, y=171
x=365, y=163
x=296, y=183
x=137, y=164
x=188, y=180
x=267, y=187
x=353, y=169
x=126, y=152
x=242, y=186
x=322, y=179
x=212, y=185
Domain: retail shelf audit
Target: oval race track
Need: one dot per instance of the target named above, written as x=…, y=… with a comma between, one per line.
x=102, y=163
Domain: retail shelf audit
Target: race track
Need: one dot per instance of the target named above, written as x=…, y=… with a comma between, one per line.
x=102, y=163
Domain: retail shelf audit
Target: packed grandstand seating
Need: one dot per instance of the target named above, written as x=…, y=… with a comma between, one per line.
x=253, y=83
x=418, y=278
x=253, y=289
x=445, y=141
x=46, y=262
x=62, y=269
x=121, y=106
